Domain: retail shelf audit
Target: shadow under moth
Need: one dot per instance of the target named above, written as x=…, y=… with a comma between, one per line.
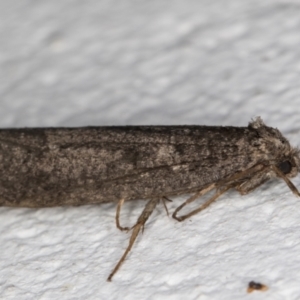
x=44, y=167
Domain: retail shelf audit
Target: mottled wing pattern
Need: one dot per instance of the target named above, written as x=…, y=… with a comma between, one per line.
x=75, y=166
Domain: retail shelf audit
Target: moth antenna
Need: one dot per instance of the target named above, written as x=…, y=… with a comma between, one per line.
x=287, y=181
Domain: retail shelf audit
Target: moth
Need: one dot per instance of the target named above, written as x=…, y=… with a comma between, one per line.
x=44, y=167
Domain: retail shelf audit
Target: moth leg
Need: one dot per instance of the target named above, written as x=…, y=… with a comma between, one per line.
x=255, y=181
x=164, y=199
x=146, y=213
x=191, y=199
x=120, y=203
x=252, y=172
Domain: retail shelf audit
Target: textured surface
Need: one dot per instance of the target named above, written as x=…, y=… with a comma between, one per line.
x=73, y=63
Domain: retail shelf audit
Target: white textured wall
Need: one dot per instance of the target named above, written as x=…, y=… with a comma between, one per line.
x=74, y=63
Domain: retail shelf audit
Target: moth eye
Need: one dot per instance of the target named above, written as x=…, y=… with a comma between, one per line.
x=285, y=167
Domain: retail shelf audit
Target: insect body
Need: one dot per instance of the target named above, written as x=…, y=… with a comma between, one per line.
x=42, y=167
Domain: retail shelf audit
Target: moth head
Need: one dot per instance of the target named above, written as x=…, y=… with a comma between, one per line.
x=289, y=164
x=279, y=151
